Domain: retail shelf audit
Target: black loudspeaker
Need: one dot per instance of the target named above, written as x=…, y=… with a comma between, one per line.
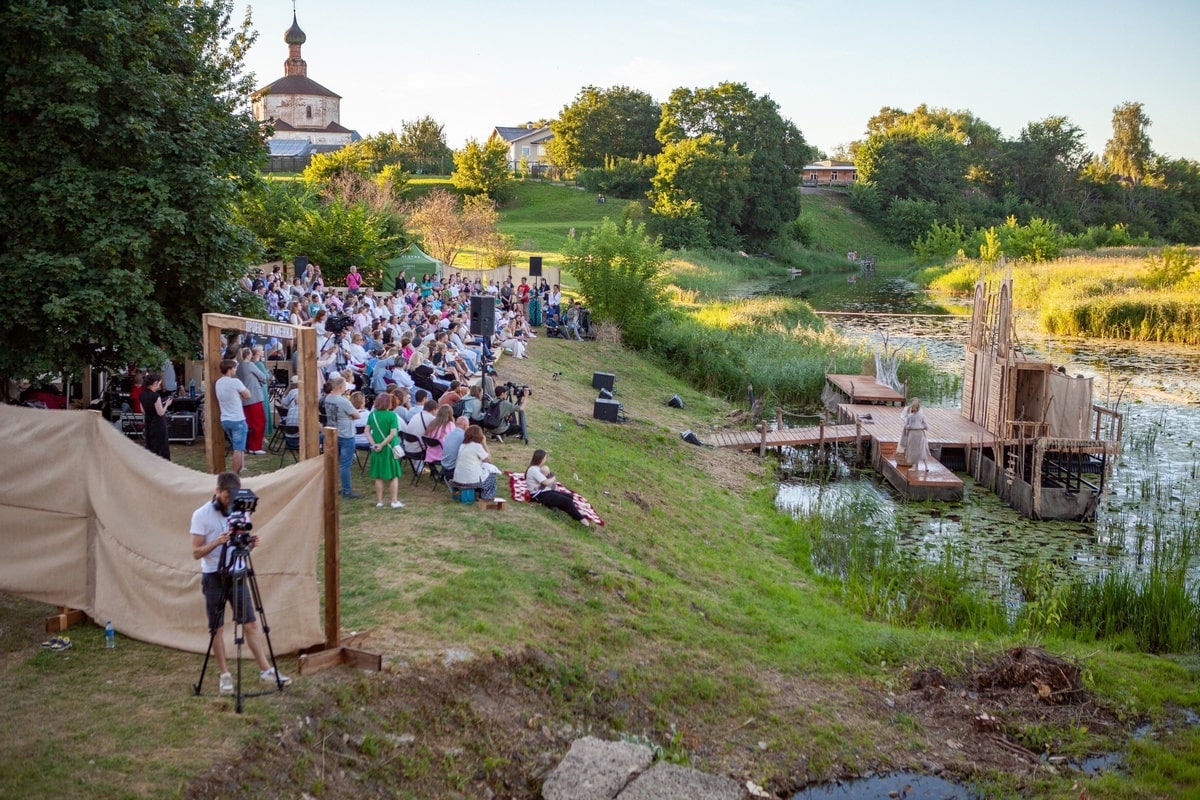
x=181, y=427
x=300, y=266
x=606, y=410
x=535, y=266
x=483, y=315
x=605, y=394
x=675, y=402
x=603, y=380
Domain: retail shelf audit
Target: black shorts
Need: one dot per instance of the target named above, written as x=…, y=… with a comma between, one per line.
x=213, y=584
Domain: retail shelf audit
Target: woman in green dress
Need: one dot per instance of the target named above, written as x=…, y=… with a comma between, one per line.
x=256, y=358
x=383, y=431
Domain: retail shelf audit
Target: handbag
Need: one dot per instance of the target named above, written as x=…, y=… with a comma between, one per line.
x=397, y=448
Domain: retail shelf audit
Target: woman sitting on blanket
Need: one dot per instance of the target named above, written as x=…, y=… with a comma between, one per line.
x=473, y=465
x=540, y=483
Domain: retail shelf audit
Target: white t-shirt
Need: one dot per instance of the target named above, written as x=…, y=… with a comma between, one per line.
x=210, y=523
x=229, y=398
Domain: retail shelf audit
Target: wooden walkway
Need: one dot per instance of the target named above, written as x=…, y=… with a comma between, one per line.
x=947, y=426
x=864, y=389
x=787, y=437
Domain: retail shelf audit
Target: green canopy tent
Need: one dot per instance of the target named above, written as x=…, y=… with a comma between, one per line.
x=412, y=261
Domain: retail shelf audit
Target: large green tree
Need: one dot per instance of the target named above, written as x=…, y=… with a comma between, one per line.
x=423, y=145
x=483, y=169
x=124, y=140
x=1127, y=153
x=602, y=125
x=713, y=176
x=739, y=120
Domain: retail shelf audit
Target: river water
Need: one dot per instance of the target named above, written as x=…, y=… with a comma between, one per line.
x=1152, y=498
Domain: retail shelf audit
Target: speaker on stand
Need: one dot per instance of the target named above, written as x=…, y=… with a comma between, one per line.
x=535, y=266
x=300, y=267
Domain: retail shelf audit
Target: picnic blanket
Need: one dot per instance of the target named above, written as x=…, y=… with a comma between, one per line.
x=520, y=494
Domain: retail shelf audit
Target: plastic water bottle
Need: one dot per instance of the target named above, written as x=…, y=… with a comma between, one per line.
x=110, y=636
x=192, y=387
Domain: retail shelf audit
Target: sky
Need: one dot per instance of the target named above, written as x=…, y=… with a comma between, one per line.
x=474, y=65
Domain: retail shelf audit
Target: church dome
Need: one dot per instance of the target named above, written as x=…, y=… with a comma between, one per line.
x=294, y=35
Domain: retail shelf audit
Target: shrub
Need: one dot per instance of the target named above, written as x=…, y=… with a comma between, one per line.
x=1169, y=268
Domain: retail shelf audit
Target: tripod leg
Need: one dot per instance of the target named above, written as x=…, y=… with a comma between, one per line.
x=262, y=619
x=239, y=636
x=204, y=668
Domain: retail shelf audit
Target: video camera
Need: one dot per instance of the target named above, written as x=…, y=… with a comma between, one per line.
x=243, y=505
x=517, y=391
x=339, y=323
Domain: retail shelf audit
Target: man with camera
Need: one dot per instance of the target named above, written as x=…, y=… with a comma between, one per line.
x=504, y=416
x=211, y=545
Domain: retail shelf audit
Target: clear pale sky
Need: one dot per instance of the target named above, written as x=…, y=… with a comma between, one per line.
x=473, y=65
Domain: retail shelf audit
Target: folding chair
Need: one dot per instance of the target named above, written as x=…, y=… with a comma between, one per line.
x=291, y=443
x=276, y=443
x=362, y=454
x=435, y=467
x=416, y=460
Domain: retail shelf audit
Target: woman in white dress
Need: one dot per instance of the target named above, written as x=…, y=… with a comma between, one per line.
x=916, y=440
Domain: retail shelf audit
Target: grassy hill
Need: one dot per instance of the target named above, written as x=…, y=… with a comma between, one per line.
x=693, y=620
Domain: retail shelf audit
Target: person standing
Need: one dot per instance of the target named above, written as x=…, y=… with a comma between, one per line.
x=230, y=393
x=154, y=408
x=210, y=533
x=256, y=358
x=353, y=280
x=341, y=415
x=383, y=431
x=252, y=406
x=916, y=438
x=540, y=483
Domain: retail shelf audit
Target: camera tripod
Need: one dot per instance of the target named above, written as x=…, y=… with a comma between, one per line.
x=237, y=576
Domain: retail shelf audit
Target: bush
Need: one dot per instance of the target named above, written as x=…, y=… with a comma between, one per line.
x=941, y=241
x=1169, y=268
x=907, y=220
x=625, y=178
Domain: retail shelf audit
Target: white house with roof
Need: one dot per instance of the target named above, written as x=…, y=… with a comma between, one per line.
x=306, y=116
x=528, y=143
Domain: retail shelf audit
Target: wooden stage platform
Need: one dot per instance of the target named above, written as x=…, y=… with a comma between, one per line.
x=881, y=425
x=864, y=389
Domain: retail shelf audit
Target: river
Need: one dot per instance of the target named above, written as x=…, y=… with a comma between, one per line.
x=1152, y=498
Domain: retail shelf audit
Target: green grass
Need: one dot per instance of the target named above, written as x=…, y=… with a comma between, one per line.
x=697, y=594
x=1110, y=297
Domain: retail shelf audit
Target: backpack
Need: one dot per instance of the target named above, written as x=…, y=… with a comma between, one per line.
x=458, y=407
x=492, y=418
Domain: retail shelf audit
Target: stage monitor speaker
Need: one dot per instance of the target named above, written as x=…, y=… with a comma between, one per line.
x=483, y=315
x=606, y=410
x=605, y=394
x=181, y=427
x=535, y=266
x=299, y=266
x=603, y=380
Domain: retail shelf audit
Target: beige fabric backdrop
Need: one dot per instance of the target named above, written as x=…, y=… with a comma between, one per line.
x=91, y=520
x=1070, y=411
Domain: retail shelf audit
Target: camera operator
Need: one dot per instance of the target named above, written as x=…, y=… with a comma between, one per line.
x=503, y=417
x=210, y=533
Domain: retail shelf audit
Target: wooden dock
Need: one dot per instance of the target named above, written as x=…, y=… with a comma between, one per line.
x=880, y=426
x=786, y=437
x=864, y=389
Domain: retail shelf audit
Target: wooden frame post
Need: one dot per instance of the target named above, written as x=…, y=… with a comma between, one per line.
x=305, y=340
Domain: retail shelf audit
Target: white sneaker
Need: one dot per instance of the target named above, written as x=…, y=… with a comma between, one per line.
x=270, y=676
x=587, y=523
x=225, y=683
x=397, y=504
x=379, y=505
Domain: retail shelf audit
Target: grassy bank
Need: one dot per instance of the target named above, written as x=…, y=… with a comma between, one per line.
x=1116, y=296
x=694, y=620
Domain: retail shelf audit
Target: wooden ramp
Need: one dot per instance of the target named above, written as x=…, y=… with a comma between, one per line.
x=786, y=437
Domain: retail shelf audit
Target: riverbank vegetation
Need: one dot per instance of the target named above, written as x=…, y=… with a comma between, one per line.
x=1116, y=295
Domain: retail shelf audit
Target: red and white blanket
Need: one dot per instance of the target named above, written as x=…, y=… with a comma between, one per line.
x=520, y=494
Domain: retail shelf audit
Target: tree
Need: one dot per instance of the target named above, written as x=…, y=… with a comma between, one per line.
x=423, y=144
x=125, y=139
x=621, y=274
x=337, y=234
x=447, y=225
x=913, y=163
x=1044, y=165
x=601, y=125
x=716, y=178
x=1128, y=152
x=483, y=169
x=741, y=121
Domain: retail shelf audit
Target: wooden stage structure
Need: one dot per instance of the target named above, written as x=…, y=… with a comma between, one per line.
x=1026, y=429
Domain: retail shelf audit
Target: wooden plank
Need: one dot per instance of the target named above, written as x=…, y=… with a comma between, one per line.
x=361, y=659
x=65, y=618
x=864, y=389
x=333, y=576
x=314, y=662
